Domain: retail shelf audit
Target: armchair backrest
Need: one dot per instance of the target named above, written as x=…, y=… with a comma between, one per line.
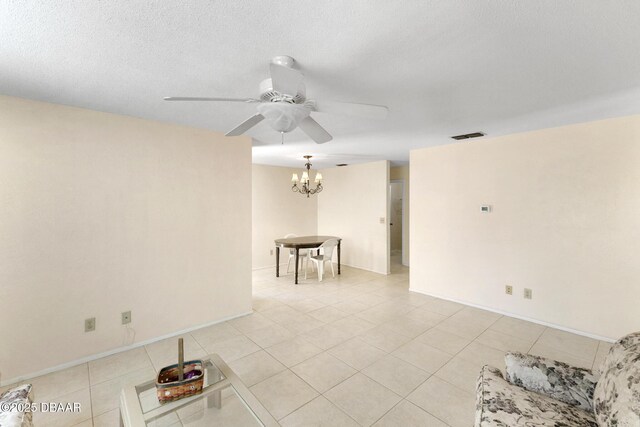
x=327, y=247
x=291, y=236
x=616, y=399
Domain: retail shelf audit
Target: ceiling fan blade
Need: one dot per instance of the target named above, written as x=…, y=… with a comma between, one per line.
x=367, y=111
x=314, y=130
x=285, y=80
x=187, y=98
x=246, y=125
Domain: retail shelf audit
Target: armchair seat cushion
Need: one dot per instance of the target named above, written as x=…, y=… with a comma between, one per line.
x=500, y=403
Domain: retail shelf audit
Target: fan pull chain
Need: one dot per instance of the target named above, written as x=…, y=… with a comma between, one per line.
x=282, y=134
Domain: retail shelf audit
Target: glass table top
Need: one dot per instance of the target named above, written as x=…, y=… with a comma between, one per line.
x=224, y=401
x=233, y=412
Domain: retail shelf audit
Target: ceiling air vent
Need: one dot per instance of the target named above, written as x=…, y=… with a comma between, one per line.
x=468, y=136
x=341, y=164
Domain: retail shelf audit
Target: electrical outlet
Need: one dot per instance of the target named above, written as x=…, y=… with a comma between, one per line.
x=528, y=293
x=90, y=324
x=508, y=289
x=126, y=317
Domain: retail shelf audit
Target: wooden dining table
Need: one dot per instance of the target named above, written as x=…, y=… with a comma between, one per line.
x=302, y=242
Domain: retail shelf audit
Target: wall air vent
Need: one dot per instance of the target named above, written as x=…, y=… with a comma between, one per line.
x=468, y=136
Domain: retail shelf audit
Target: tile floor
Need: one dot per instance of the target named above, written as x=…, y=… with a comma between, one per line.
x=359, y=349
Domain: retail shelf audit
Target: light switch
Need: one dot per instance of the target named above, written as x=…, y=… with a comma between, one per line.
x=382, y=220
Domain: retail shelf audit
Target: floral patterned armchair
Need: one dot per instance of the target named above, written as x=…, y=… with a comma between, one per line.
x=543, y=392
x=12, y=403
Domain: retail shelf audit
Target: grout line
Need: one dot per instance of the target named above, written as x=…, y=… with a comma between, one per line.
x=149, y=358
x=537, y=339
x=402, y=398
x=593, y=362
x=472, y=341
x=390, y=409
x=323, y=394
x=306, y=383
x=90, y=396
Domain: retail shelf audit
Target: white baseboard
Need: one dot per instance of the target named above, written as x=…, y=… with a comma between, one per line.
x=113, y=351
x=517, y=316
x=365, y=269
x=269, y=266
x=341, y=265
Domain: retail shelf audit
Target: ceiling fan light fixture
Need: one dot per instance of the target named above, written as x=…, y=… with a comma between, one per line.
x=283, y=117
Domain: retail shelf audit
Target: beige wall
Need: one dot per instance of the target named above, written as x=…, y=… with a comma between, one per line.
x=402, y=173
x=278, y=211
x=354, y=200
x=565, y=223
x=100, y=214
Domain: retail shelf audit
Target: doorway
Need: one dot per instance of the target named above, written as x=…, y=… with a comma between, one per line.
x=396, y=220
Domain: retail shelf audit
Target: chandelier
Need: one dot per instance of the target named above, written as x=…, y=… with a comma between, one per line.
x=305, y=187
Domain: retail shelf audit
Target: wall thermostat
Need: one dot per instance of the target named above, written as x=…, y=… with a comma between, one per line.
x=485, y=208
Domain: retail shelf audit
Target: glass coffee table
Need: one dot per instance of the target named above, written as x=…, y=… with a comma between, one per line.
x=224, y=401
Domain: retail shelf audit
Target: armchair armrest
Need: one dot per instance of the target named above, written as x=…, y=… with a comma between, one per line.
x=12, y=407
x=555, y=379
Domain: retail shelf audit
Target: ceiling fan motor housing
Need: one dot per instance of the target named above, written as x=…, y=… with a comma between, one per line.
x=283, y=60
x=268, y=94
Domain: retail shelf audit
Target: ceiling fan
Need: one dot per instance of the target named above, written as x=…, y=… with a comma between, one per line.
x=284, y=105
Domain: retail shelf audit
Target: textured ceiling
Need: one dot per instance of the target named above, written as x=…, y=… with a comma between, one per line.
x=443, y=67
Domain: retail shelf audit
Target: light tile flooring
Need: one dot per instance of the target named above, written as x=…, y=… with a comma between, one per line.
x=359, y=349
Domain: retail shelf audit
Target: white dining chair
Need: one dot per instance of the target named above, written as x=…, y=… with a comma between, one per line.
x=324, y=254
x=302, y=253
